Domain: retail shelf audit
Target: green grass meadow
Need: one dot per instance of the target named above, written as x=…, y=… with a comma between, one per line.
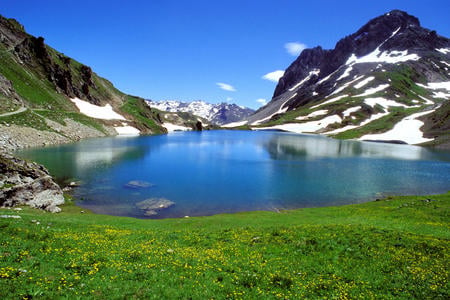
x=395, y=248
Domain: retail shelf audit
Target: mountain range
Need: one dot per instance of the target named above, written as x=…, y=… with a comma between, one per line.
x=389, y=81
x=217, y=114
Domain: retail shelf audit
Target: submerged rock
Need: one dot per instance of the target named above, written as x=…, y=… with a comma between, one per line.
x=137, y=184
x=74, y=184
x=25, y=183
x=153, y=205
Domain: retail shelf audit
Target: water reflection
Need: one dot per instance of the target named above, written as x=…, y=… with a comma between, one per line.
x=98, y=153
x=295, y=147
x=73, y=161
x=229, y=171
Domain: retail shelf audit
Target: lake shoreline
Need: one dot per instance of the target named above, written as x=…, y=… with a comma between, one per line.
x=264, y=153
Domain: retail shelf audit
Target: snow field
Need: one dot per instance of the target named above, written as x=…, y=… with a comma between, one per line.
x=407, y=130
x=98, y=112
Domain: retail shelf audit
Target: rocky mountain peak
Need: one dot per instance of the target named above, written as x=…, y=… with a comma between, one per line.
x=308, y=60
x=393, y=31
x=389, y=22
x=373, y=79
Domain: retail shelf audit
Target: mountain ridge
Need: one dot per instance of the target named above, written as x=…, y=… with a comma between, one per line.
x=218, y=114
x=41, y=91
x=389, y=69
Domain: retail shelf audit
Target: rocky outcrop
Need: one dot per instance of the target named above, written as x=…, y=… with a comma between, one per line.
x=152, y=206
x=24, y=183
x=14, y=137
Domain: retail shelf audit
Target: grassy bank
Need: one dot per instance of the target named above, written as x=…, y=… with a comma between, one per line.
x=393, y=248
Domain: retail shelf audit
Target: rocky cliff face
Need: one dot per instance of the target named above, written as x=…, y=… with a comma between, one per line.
x=65, y=75
x=389, y=69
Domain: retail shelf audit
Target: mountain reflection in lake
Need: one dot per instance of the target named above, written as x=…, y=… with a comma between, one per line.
x=286, y=147
x=212, y=172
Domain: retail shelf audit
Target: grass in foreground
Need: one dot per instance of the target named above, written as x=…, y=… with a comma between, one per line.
x=394, y=248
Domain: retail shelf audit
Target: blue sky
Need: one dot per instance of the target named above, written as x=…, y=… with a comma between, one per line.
x=202, y=49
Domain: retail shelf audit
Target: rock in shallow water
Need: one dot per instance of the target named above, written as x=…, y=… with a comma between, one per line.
x=153, y=205
x=136, y=184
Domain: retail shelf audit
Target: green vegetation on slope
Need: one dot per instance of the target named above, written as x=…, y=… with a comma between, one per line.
x=142, y=113
x=35, y=89
x=394, y=248
x=27, y=118
x=403, y=80
x=44, y=80
x=37, y=119
x=61, y=117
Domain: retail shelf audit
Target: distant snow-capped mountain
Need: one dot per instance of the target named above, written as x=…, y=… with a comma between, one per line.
x=218, y=114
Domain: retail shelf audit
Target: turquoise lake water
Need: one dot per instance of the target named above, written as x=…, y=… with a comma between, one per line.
x=212, y=172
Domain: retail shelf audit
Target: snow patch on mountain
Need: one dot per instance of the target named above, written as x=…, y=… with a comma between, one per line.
x=407, y=130
x=234, y=124
x=281, y=110
x=373, y=90
x=385, y=103
x=363, y=123
x=335, y=99
x=98, y=112
x=389, y=57
x=376, y=56
x=172, y=127
x=363, y=82
x=445, y=85
x=312, y=73
x=308, y=127
x=346, y=85
x=444, y=50
x=126, y=130
x=313, y=114
x=350, y=110
x=346, y=73
x=436, y=85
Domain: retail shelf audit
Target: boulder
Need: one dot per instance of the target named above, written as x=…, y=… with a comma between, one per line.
x=25, y=183
x=153, y=205
x=137, y=184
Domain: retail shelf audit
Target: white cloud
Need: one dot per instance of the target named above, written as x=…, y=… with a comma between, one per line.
x=226, y=87
x=274, y=76
x=229, y=99
x=261, y=101
x=294, y=48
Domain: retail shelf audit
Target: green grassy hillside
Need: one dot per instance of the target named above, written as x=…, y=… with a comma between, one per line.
x=393, y=248
x=40, y=78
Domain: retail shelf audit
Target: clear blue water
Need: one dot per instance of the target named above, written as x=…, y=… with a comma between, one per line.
x=212, y=172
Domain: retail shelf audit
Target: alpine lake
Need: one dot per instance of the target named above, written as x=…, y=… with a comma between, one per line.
x=204, y=173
